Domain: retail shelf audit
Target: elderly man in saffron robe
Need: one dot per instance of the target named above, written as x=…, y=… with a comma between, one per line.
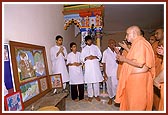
x=135, y=87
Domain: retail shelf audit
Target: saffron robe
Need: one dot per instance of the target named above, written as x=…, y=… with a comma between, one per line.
x=135, y=91
x=158, y=59
x=124, y=53
x=158, y=68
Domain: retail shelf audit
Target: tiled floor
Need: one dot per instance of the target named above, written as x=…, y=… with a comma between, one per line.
x=90, y=106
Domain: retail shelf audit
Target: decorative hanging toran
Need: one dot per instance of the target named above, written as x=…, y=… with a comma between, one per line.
x=87, y=17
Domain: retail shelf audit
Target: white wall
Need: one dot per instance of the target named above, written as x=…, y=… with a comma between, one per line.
x=69, y=35
x=36, y=24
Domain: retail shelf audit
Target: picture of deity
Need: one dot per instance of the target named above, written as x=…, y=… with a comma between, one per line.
x=25, y=62
x=6, y=55
x=13, y=102
x=83, y=22
x=98, y=20
x=43, y=83
x=39, y=63
x=87, y=21
x=56, y=81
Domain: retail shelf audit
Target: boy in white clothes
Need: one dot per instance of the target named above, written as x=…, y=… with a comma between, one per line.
x=75, y=73
x=91, y=56
x=58, y=55
x=110, y=69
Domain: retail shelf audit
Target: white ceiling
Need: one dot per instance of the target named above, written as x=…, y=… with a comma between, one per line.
x=117, y=17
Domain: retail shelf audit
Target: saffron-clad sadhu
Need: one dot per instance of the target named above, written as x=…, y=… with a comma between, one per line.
x=135, y=87
x=159, y=34
x=158, y=58
x=159, y=81
x=160, y=51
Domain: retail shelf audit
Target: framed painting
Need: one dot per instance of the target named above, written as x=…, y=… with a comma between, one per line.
x=29, y=64
x=13, y=102
x=43, y=84
x=56, y=81
x=8, y=73
x=39, y=63
x=30, y=61
x=6, y=52
x=29, y=90
x=25, y=64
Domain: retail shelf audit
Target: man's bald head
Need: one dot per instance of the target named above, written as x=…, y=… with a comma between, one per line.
x=160, y=29
x=136, y=29
x=132, y=33
x=111, y=44
x=111, y=41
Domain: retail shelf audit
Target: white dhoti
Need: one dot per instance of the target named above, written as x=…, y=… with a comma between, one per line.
x=111, y=86
x=93, y=89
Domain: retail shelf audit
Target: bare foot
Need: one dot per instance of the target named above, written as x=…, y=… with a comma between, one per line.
x=97, y=98
x=82, y=100
x=76, y=100
x=110, y=102
x=89, y=99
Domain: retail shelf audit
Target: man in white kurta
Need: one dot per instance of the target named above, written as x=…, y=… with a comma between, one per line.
x=91, y=56
x=110, y=69
x=58, y=55
x=75, y=73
